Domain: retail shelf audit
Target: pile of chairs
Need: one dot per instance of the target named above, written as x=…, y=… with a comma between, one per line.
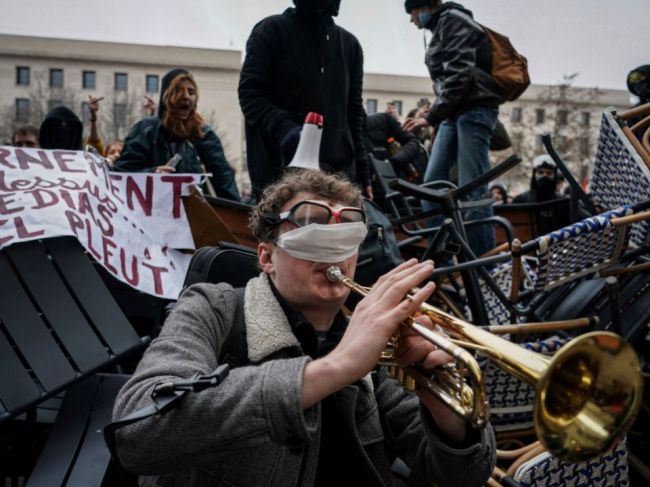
x=589, y=275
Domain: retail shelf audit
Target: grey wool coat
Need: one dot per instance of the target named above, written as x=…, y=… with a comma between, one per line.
x=252, y=428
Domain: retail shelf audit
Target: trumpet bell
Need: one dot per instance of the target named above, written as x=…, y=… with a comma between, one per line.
x=588, y=396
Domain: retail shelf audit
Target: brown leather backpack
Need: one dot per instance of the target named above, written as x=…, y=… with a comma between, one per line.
x=509, y=68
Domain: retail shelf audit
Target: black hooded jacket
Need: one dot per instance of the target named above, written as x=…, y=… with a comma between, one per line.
x=61, y=129
x=300, y=62
x=459, y=61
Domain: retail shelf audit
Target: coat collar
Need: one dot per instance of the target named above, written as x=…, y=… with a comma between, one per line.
x=267, y=327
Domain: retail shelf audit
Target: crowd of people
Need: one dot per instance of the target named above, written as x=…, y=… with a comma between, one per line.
x=309, y=405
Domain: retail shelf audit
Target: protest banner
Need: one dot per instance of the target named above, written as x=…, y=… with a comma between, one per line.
x=133, y=224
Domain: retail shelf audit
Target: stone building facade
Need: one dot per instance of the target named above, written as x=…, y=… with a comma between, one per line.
x=37, y=73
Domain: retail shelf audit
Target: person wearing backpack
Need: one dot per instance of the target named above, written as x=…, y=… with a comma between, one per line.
x=466, y=107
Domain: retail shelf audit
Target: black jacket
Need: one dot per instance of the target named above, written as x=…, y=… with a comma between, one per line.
x=61, y=129
x=380, y=127
x=298, y=63
x=459, y=61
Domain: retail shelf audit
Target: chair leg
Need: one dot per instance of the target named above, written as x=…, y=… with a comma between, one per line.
x=615, y=304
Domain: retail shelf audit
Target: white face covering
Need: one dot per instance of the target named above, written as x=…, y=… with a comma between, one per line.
x=323, y=243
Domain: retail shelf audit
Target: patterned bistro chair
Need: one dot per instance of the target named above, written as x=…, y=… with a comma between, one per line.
x=620, y=174
x=581, y=249
x=608, y=470
x=511, y=399
x=497, y=311
x=567, y=254
x=562, y=256
x=511, y=409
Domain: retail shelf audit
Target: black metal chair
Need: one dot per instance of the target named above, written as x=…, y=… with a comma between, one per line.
x=61, y=331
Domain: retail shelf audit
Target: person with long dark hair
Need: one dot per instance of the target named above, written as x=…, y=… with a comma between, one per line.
x=178, y=130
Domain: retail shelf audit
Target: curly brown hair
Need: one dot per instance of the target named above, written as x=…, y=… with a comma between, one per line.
x=328, y=186
x=192, y=128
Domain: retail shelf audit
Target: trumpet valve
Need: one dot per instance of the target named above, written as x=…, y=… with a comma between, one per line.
x=409, y=383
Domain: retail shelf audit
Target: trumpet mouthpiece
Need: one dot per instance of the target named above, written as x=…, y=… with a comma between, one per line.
x=333, y=273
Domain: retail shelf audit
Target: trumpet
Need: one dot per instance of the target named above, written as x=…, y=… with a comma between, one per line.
x=586, y=395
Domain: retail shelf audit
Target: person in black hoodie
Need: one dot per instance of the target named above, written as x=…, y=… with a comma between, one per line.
x=299, y=62
x=61, y=129
x=466, y=106
x=178, y=130
x=543, y=183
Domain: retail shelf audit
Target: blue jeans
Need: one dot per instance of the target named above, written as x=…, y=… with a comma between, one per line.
x=465, y=141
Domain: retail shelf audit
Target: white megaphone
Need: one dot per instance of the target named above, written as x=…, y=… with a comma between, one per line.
x=307, y=153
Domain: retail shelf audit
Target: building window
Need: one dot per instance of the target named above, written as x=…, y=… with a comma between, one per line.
x=516, y=114
x=563, y=117
x=584, y=147
x=88, y=80
x=22, y=76
x=22, y=110
x=371, y=106
x=53, y=104
x=56, y=78
x=539, y=144
x=121, y=81
x=85, y=113
x=151, y=83
x=398, y=106
x=585, y=119
x=119, y=115
x=540, y=116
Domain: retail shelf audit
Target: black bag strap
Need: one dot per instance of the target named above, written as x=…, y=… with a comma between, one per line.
x=166, y=397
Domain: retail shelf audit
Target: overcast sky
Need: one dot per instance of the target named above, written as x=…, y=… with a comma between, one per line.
x=602, y=40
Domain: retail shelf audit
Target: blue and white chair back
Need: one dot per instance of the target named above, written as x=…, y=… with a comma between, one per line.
x=581, y=249
x=511, y=399
x=619, y=175
x=608, y=470
x=497, y=311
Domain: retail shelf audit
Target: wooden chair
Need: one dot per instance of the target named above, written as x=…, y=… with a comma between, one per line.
x=59, y=326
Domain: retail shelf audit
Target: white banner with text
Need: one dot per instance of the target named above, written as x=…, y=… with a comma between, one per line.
x=132, y=223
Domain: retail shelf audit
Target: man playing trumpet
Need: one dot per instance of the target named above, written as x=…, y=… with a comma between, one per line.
x=309, y=406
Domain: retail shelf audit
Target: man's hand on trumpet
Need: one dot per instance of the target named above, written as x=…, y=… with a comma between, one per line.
x=413, y=349
x=375, y=319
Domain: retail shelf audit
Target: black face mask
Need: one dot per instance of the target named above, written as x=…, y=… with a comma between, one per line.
x=60, y=135
x=321, y=7
x=545, y=187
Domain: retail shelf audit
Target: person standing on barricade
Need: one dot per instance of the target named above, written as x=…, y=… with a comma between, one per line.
x=305, y=403
x=177, y=140
x=465, y=110
x=300, y=62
